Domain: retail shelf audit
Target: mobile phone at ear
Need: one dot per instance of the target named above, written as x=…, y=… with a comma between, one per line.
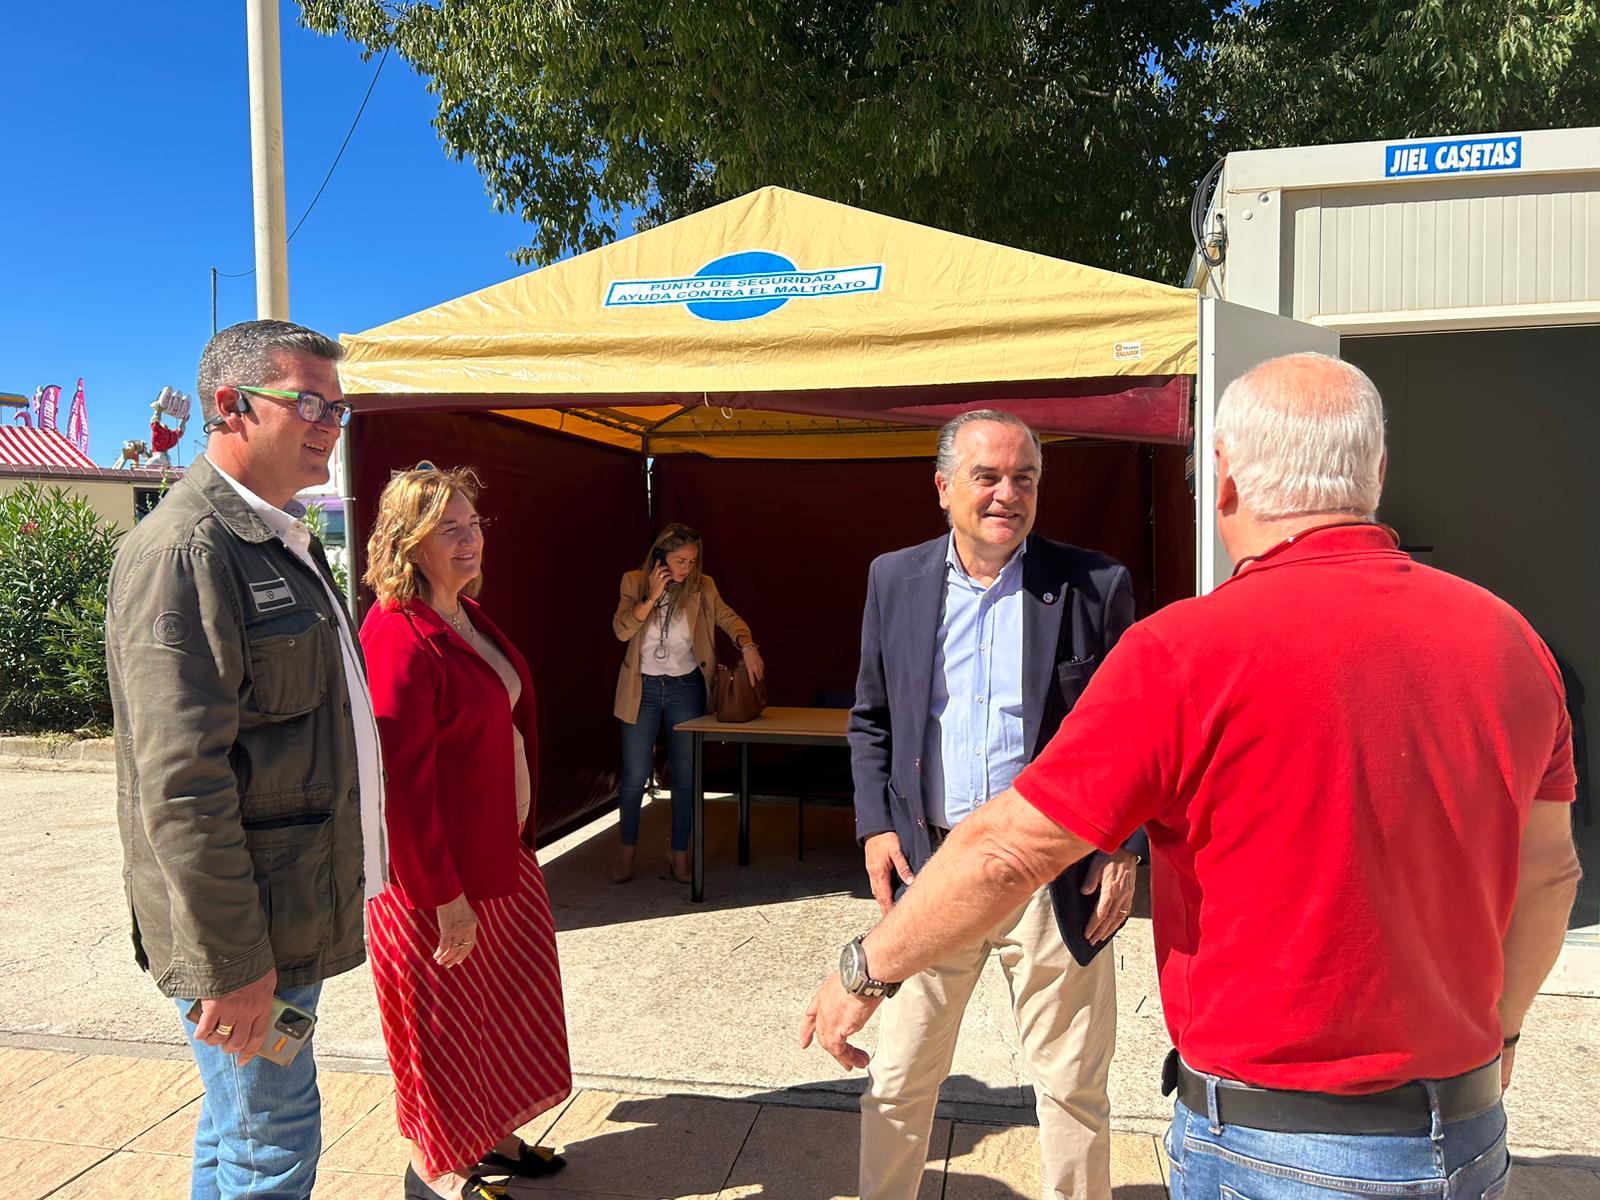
x=288, y=1030
x=659, y=557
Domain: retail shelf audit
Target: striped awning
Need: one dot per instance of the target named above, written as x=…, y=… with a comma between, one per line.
x=25, y=446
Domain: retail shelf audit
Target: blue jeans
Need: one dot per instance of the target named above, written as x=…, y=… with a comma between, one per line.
x=666, y=699
x=260, y=1129
x=1464, y=1159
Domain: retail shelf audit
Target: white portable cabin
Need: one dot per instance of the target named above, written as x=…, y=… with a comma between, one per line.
x=1463, y=275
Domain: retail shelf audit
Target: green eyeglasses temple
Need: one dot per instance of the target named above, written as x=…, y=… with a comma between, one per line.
x=340, y=408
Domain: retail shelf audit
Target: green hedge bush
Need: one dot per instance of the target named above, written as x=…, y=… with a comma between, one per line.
x=55, y=562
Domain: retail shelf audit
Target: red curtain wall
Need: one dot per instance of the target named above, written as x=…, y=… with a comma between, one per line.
x=566, y=516
x=788, y=543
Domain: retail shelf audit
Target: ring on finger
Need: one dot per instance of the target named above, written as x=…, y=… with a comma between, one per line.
x=225, y=1031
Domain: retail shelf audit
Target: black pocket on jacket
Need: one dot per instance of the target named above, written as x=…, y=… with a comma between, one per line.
x=1073, y=676
x=294, y=874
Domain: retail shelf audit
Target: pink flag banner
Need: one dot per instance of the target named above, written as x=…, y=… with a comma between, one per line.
x=78, y=421
x=49, y=402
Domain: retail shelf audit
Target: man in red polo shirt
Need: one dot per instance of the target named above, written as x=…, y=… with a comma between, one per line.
x=1356, y=773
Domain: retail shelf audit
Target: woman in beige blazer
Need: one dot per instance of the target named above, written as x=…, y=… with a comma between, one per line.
x=668, y=613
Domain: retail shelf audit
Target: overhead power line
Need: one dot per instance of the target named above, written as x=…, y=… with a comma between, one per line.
x=331, y=168
x=383, y=59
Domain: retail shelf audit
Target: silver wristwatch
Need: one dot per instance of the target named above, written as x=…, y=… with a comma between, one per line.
x=857, y=980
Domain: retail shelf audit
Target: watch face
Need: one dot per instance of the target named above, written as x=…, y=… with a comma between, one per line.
x=852, y=971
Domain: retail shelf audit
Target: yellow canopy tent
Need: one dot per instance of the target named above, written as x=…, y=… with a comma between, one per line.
x=779, y=325
x=749, y=352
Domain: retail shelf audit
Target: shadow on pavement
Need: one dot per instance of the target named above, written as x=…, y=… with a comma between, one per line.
x=583, y=896
x=1555, y=1177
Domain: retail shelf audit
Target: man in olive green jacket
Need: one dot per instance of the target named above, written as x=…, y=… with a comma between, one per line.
x=246, y=751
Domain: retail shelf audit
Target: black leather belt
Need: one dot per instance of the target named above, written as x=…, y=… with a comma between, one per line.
x=1401, y=1109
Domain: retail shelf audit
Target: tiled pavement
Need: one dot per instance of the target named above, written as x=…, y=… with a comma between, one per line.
x=80, y=1118
x=90, y=1126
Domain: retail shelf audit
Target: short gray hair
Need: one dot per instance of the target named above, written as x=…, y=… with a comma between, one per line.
x=1303, y=435
x=247, y=353
x=947, y=460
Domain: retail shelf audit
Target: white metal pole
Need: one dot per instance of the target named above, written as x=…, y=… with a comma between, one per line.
x=266, y=159
x=1211, y=562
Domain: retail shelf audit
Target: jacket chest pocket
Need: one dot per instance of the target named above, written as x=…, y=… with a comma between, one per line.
x=1073, y=676
x=289, y=664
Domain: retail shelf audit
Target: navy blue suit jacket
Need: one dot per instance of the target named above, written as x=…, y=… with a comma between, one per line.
x=1076, y=604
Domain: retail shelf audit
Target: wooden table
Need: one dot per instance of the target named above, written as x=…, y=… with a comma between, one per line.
x=776, y=727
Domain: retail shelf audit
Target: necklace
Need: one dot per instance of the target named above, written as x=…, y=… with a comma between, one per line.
x=458, y=621
x=664, y=615
x=1305, y=533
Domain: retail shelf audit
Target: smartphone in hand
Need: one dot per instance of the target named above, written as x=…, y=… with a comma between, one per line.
x=288, y=1030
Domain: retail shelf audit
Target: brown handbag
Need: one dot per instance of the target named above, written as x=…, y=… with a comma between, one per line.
x=735, y=697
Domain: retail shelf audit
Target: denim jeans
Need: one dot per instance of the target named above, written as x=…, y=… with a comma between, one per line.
x=1465, y=1159
x=667, y=699
x=260, y=1129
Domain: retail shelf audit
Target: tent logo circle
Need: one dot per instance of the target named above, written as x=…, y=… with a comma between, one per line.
x=746, y=262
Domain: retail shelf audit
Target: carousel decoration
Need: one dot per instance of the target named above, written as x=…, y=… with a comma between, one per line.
x=132, y=451
x=135, y=451
x=172, y=403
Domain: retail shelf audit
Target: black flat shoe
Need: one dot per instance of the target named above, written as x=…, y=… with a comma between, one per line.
x=476, y=1188
x=532, y=1162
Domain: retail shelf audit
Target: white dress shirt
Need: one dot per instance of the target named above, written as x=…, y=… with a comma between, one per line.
x=975, y=727
x=673, y=654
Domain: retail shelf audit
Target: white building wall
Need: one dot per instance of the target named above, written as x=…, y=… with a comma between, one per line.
x=1488, y=250
x=1322, y=234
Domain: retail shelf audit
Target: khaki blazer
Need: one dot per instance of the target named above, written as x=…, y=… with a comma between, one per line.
x=707, y=613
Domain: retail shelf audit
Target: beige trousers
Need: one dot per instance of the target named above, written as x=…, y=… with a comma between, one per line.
x=1067, y=1023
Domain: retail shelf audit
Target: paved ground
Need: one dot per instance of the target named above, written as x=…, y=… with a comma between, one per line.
x=100, y=1126
x=682, y=1018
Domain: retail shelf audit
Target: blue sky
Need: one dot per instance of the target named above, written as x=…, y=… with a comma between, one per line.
x=127, y=177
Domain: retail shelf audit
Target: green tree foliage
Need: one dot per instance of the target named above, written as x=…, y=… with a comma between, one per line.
x=1037, y=125
x=55, y=561
x=316, y=520
x=1303, y=72
x=1076, y=130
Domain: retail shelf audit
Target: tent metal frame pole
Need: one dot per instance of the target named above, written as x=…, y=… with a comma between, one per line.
x=647, y=463
x=790, y=431
x=347, y=497
x=596, y=417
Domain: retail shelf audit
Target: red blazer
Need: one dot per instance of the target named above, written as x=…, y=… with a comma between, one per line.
x=445, y=726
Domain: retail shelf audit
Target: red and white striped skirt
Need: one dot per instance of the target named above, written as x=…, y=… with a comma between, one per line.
x=480, y=1048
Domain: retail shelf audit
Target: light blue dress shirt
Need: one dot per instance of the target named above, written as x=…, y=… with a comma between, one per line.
x=974, y=743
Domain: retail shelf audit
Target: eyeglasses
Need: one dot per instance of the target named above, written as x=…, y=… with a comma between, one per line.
x=452, y=532
x=312, y=407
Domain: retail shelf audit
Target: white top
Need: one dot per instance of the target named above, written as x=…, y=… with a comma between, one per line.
x=294, y=534
x=673, y=655
x=495, y=657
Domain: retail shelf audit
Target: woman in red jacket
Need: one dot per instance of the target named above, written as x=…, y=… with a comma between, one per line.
x=462, y=944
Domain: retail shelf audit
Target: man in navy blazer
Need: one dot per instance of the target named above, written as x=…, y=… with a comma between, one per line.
x=974, y=646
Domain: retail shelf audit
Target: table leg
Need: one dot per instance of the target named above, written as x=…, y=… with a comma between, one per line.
x=744, y=804
x=697, y=889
